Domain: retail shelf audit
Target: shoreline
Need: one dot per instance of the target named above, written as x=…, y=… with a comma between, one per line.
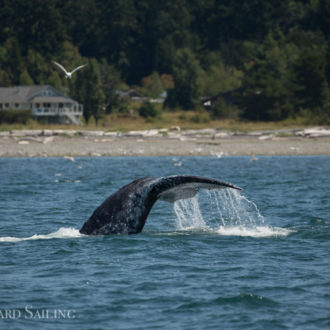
x=207, y=142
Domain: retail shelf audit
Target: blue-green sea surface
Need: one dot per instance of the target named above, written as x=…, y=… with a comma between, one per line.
x=254, y=259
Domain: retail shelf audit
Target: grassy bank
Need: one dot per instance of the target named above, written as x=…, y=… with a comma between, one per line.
x=182, y=119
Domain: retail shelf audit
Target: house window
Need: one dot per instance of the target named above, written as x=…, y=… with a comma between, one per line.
x=16, y=105
x=46, y=105
x=60, y=105
x=46, y=93
x=6, y=105
x=0, y=105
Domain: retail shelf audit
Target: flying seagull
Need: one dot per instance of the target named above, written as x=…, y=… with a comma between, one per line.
x=69, y=74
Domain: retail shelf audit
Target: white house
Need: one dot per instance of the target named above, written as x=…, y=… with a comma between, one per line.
x=44, y=102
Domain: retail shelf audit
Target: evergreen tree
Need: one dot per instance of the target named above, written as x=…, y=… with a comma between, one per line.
x=152, y=85
x=327, y=70
x=87, y=89
x=119, y=29
x=14, y=64
x=25, y=79
x=219, y=78
x=5, y=80
x=323, y=17
x=54, y=80
x=267, y=86
x=187, y=81
x=312, y=85
x=37, y=66
x=36, y=25
x=111, y=81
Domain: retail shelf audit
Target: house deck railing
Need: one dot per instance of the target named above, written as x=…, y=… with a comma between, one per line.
x=56, y=111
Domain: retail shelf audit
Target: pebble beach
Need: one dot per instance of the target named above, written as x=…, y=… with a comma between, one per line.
x=163, y=142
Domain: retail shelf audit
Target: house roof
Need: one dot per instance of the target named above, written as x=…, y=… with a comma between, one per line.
x=27, y=93
x=12, y=94
x=130, y=93
x=53, y=99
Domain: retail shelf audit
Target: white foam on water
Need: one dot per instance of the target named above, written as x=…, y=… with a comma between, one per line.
x=61, y=233
x=228, y=213
x=258, y=231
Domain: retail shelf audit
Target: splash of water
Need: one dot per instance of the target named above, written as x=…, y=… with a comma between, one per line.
x=188, y=214
x=61, y=233
x=230, y=214
x=235, y=209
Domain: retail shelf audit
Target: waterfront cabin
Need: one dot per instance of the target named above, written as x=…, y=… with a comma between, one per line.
x=44, y=102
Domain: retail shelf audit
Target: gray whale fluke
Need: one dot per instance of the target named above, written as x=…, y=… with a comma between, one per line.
x=126, y=211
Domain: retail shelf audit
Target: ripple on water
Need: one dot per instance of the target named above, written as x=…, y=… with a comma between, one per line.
x=236, y=263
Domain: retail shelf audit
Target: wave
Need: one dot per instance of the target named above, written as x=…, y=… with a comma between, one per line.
x=238, y=231
x=259, y=231
x=256, y=232
x=248, y=299
x=61, y=233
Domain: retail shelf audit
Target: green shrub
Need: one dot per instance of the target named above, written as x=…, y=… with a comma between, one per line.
x=221, y=110
x=148, y=110
x=15, y=116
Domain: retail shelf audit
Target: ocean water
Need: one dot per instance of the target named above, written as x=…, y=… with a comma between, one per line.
x=254, y=259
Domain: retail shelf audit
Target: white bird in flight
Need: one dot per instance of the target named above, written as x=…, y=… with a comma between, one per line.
x=69, y=74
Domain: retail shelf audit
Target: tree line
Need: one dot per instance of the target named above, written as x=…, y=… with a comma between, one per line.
x=256, y=60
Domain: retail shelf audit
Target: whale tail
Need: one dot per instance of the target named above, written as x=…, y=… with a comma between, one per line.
x=126, y=210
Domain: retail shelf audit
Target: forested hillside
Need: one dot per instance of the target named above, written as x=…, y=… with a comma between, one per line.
x=256, y=59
